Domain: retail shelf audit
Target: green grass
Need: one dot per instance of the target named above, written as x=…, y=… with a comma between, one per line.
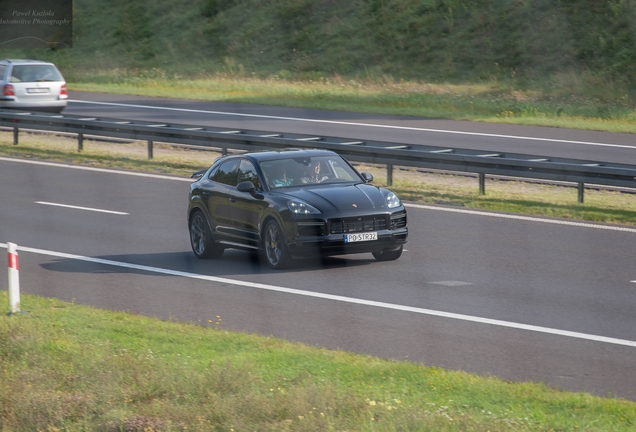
x=493, y=102
x=573, y=67
x=67, y=367
x=535, y=44
x=537, y=62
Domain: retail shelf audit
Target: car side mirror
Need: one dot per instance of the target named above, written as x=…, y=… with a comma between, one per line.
x=367, y=177
x=197, y=175
x=248, y=186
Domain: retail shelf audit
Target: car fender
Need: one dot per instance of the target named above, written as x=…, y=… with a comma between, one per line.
x=272, y=214
x=197, y=204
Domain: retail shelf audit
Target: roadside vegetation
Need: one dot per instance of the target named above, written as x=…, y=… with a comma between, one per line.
x=568, y=64
x=491, y=102
x=67, y=367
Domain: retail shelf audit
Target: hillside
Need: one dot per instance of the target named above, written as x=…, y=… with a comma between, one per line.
x=533, y=42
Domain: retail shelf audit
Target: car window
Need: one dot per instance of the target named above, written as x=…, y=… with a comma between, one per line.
x=298, y=171
x=3, y=69
x=34, y=73
x=247, y=172
x=281, y=173
x=333, y=169
x=226, y=173
x=341, y=170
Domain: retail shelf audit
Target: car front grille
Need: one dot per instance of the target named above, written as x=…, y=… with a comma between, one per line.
x=398, y=220
x=357, y=224
x=352, y=225
x=311, y=228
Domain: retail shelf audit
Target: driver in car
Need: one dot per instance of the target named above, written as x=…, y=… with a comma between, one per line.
x=313, y=174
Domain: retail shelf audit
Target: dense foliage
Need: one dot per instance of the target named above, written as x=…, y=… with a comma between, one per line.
x=450, y=40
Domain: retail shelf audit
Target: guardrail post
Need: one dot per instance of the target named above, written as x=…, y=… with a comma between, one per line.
x=80, y=142
x=223, y=151
x=14, y=278
x=482, y=184
x=16, y=131
x=150, y=149
x=389, y=175
x=581, y=192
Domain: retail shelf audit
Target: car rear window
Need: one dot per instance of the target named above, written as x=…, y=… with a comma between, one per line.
x=3, y=69
x=34, y=73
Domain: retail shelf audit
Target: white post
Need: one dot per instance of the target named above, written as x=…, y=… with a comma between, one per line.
x=14, y=278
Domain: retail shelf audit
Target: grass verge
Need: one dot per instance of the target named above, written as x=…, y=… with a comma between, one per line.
x=66, y=367
x=493, y=102
x=409, y=184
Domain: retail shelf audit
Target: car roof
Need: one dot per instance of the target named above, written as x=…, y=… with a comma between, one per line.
x=24, y=61
x=282, y=154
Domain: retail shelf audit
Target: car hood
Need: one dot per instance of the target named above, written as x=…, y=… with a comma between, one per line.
x=344, y=198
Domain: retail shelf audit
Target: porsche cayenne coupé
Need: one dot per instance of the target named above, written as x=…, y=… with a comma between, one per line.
x=293, y=204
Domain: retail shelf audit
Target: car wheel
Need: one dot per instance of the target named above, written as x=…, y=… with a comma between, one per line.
x=388, y=255
x=275, y=248
x=201, y=239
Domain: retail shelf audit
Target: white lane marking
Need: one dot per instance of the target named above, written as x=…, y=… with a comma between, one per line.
x=94, y=169
x=420, y=206
x=524, y=218
x=332, y=297
x=450, y=283
x=81, y=208
x=299, y=119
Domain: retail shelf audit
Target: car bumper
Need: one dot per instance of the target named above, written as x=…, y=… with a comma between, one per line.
x=335, y=245
x=47, y=106
x=326, y=235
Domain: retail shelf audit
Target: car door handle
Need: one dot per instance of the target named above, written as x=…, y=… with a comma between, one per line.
x=232, y=199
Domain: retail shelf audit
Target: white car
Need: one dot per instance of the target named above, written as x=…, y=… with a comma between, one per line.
x=32, y=85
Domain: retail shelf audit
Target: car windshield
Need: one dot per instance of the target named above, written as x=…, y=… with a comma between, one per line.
x=290, y=171
x=34, y=73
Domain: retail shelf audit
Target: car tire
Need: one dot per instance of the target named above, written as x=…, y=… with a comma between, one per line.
x=388, y=255
x=275, y=248
x=201, y=239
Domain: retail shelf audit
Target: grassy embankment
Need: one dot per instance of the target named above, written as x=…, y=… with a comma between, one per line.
x=539, y=62
x=491, y=102
x=66, y=367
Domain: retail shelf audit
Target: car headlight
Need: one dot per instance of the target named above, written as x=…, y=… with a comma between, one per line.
x=392, y=201
x=299, y=207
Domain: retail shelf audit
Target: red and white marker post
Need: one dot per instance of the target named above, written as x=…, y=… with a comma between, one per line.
x=14, y=278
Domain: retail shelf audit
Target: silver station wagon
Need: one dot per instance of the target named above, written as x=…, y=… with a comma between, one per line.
x=32, y=85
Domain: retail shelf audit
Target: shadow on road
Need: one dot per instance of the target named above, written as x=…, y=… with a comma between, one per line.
x=232, y=263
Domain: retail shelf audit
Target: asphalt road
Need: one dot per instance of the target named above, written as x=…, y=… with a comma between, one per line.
x=550, y=142
x=524, y=299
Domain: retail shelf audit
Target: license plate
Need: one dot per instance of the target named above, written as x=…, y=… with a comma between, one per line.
x=37, y=90
x=348, y=238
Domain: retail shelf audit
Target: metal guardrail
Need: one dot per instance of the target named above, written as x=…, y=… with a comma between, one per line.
x=377, y=152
